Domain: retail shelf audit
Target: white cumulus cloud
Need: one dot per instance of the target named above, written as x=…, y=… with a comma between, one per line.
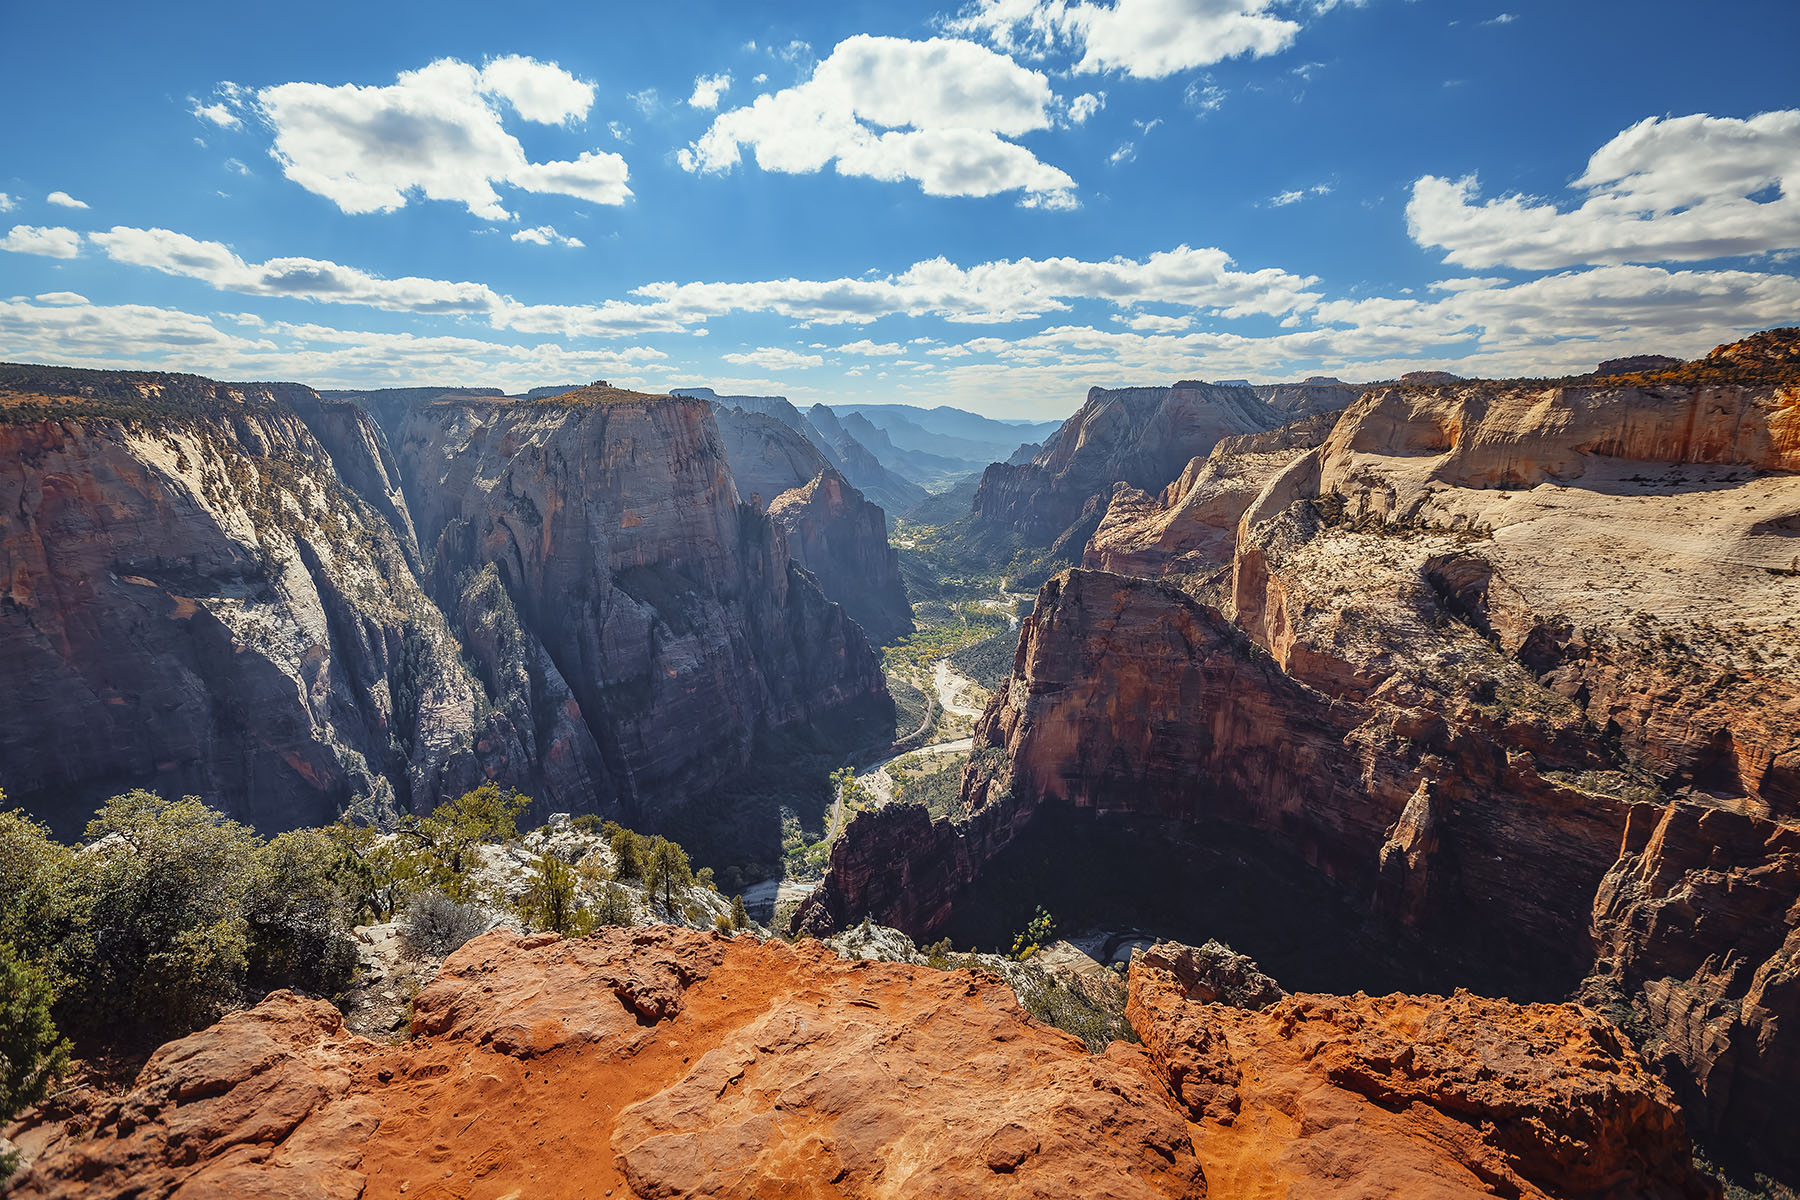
x=708, y=89
x=51, y=241
x=774, y=358
x=1668, y=189
x=64, y=200
x=938, y=112
x=546, y=235
x=301, y=278
x=538, y=91
x=435, y=131
x=1148, y=39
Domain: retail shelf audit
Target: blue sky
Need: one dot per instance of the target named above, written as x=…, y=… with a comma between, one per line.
x=994, y=205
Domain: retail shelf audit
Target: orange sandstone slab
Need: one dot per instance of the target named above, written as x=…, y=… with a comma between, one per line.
x=653, y=1063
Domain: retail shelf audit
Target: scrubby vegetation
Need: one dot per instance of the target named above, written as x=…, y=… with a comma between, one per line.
x=169, y=914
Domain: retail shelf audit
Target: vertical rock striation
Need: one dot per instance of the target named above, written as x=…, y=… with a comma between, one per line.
x=831, y=529
x=195, y=601
x=653, y=610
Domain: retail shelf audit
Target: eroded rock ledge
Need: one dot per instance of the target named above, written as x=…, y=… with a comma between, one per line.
x=662, y=1062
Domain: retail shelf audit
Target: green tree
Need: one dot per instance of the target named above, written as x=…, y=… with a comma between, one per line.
x=553, y=898
x=165, y=948
x=613, y=906
x=629, y=851
x=32, y=1053
x=1031, y=939
x=301, y=905
x=42, y=907
x=380, y=872
x=667, y=870
x=453, y=830
x=740, y=919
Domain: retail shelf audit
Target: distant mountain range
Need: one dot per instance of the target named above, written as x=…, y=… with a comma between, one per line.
x=896, y=454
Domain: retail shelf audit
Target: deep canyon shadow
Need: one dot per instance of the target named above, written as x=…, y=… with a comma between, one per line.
x=1191, y=882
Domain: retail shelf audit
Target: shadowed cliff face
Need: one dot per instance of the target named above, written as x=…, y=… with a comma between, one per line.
x=1513, y=668
x=831, y=529
x=217, y=589
x=653, y=611
x=195, y=602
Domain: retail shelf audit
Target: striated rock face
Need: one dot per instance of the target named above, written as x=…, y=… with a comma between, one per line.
x=1516, y=668
x=832, y=530
x=842, y=539
x=199, y=598
x=1409, y=1095
x=649, y=604
x=1192, y=525
x=661, y=1062
x=649, y=1063
x=218, y=589
x=1139, y=436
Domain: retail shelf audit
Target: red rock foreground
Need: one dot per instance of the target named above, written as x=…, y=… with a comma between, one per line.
x=662, y=1063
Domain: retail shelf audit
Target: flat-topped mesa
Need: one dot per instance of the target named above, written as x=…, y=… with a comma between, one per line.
x=664, y=1062
x=208, y=590
x=653, y=615
x=1141, y=436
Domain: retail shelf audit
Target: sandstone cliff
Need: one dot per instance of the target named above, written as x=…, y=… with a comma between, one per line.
x=1514, y=667
x=219, y=589
x=831, y=529
x=1142, y=436
x=657, y=620
x=662, y=1062
x=197, y=600
x=1192, y=525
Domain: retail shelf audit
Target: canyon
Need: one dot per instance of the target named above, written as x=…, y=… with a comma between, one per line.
x=1491, y=684
x=1469, y=710
x=248, y=592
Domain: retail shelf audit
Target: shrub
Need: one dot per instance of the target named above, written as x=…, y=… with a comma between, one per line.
x=453, y=830
x=434, y=924
x=165, y=947
x=613, y=906
x=630, y=851
x=722, y=923
x=553, y=898
x=1090, y=1007
x=301, y=908
x=40, y=905
x=381, y=873
x=32, y=1054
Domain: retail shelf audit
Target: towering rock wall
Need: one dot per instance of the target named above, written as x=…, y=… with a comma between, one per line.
x=831, y=529
x=196, y=602
x=1141, y=436
x=220, y=590
x=651, y=605
x=1516, y=667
